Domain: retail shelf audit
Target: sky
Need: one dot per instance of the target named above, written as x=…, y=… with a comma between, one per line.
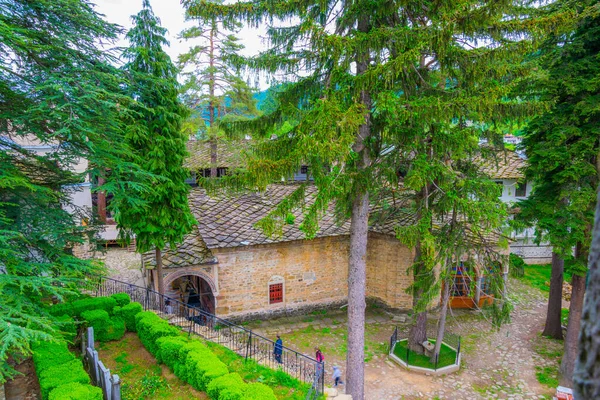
x=171, y=14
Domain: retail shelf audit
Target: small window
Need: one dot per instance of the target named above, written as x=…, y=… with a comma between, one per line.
x=275, y=293
x=521, y=189
x=461, y=285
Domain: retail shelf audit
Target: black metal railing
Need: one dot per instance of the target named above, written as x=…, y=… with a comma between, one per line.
x=199, y=321
x=409, y=356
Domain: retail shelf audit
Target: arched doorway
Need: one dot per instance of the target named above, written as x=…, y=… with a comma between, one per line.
x=195, y=291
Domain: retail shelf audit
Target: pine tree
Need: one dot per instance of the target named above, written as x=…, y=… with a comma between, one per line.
x=155, y=133
x=365, y=76
x=59, y=89
x=563, y=151
x=213, y=84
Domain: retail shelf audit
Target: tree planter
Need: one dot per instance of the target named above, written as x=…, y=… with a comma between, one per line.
x=417, y=363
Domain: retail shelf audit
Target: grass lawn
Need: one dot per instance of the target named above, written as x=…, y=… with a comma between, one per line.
x=538, y=276
x=447, y=356
x=551, y=350
x=141, y=376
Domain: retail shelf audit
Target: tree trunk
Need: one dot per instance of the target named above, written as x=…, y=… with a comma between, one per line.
x=553, y=327
x=586, y=377
x=159, y=272
x=211, y=104
x=441, y=322
x=571, y=341
x=418, y=332
x=357, y=283
x=357, y=268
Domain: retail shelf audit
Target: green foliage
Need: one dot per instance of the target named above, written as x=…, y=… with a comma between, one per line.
x=122, y=299
x=538, y=276
x=76, y=391
x=49, y=354
x=447, y=356
x=562, y=144
x=77, y=307
x=68, y=327
x=127, y=313
x=160, y=216
x=168, y=350
x=144, y=388
x=61, y=90
x=227, y=387
x=150, y=327
x=517, y=265
x=105, y=327
x=258, y=391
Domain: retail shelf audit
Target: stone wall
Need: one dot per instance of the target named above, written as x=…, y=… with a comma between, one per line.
x=314, y=276
x=387, y=263
x=531, y=252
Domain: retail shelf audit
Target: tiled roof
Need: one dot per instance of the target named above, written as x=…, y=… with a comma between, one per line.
x=193, y=251
x=228, y=221
x=505, y=165
x=229, y=154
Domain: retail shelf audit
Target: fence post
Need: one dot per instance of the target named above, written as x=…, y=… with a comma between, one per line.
x=83, y=342
x=116, y=387
x=437, y=356
x=90, y=338
x=105, y=381
x=457, y=352
x=248, y=345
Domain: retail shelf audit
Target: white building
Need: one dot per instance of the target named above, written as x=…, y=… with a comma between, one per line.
x=81, y=195
x=507, y=171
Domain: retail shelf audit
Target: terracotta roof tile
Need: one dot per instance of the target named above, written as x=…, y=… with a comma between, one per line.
x=230, y=154
x=192, y=251
x=505, y=165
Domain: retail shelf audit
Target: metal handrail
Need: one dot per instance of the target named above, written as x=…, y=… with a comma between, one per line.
x=199, y=321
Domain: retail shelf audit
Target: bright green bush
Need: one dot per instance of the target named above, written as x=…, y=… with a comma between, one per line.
x=49, y=354
x=122, y=299
x=150, y=328
x=68, y=327
x=227, y=387
x=76, y=391
x=75, y=308
x=168, y=350
x=259, y=391
x=61, y=374
x=105, y=327
x=127, y=313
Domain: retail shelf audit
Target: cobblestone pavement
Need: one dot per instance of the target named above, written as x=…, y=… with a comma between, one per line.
x=496, y=364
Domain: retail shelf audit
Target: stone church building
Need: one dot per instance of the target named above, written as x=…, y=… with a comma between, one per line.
x=229, y=267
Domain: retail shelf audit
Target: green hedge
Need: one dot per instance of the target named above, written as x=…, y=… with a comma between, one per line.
x=56, y=366
x=259, y=391
x=127, y=313
x=193, y=362
x=122, y=299
x=105, y=327
x=76, y=391
x=75, y=308
x=227, y=387
x=150, y=328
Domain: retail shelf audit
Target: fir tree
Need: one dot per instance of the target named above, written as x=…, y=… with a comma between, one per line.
x=155, y=134
x=213, y=84
x=370, y=82
x=59, y=89
x=562, y=148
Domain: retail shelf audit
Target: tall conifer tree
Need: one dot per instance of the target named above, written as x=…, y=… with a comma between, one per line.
x=155, y=133
x=563, y=149
x=57, y=88
x=372, y=81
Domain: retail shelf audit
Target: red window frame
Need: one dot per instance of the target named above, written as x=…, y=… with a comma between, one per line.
x=275, y=293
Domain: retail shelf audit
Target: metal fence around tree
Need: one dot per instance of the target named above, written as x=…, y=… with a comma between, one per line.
x=199, y=321
x=410, y=357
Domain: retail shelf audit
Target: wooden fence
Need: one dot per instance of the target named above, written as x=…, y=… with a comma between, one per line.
x=100, y=375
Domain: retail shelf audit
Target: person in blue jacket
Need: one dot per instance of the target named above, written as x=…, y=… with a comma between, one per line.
x=278, y=350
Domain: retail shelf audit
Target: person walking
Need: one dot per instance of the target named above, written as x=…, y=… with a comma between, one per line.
x=278, y=349
x=337, y=376
x=319, y=357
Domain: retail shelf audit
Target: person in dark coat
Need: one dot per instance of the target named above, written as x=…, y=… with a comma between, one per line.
x=278, y=350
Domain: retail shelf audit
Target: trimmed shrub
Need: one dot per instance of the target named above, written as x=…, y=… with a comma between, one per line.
x=168, y=350
x=150, y=328
x=259, y=391
x=61, y=374
x=105, y=328
x=74, y=309
x=127, y=313
x=68, y=327
x=209, y=369
x=76, y=391
x=227, y=387
x=49, y=354
x=122, y=299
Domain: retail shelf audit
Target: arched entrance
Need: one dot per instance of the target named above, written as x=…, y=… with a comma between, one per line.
x=195, y=291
